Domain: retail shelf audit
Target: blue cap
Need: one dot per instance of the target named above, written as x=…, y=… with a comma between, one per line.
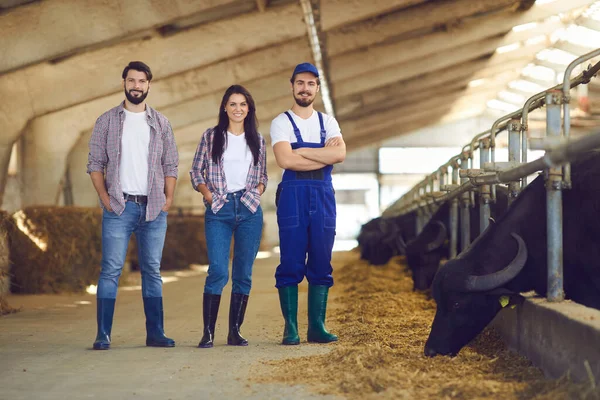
x=306, y=67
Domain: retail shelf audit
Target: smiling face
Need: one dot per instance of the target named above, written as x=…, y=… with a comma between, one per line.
x=236, y=108
x=305, y=88
x=136, y=86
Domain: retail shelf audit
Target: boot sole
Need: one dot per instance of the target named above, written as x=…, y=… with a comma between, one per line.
x=291, y=343
x=205, y=346
x=237, y=344
x=322, y=341
x=101, y=347
x=159, y=345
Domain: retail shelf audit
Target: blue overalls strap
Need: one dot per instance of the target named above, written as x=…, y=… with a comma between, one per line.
x=323, y=131
x=296, y=130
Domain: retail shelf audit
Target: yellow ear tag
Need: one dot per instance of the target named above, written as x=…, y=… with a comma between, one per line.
x=504, y=301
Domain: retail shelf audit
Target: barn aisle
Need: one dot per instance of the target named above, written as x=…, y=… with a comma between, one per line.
x=46, y=348
x=382, y=324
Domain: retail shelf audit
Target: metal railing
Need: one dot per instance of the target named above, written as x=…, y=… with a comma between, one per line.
x=423, y=199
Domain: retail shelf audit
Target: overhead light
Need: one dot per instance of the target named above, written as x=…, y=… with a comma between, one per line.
x=508, y=48
x=582, y=36
x=496, y=104
x=538, y=72
x=476, y=82
x=315, y=45
x=593, y=11
x=511, y=97
x=535, y=40
x=525, y=86
x=556, y=56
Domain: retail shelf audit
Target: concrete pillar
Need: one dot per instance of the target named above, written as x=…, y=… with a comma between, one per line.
x=84, y=194
x=45, y=152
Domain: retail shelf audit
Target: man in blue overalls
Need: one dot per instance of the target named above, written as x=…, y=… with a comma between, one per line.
x=306, y=144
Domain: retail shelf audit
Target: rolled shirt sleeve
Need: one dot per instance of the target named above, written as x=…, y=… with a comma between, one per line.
x=199, y=163
x=263, y=160
x=170, y=156
x=97, y=157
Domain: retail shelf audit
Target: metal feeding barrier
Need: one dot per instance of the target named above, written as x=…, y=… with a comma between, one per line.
x=559, y=151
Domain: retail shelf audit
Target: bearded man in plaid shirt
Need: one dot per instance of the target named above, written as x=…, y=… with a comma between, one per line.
x=133, y=164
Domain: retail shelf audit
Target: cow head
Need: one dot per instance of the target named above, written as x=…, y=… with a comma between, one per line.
x=467, y=303
x=422, y=256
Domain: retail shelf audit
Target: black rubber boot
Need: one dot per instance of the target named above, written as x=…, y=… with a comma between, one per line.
x=105, y=309
x=288, y=299
x=155, y=331
x=210, y=309
x=237, y=310
x=317, y=308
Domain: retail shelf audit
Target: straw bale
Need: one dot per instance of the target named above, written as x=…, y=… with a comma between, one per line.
x=5, y=222
x=383, y=325
x=4, y=253
x=185, y=244
x=71, y=260
x=5, y=308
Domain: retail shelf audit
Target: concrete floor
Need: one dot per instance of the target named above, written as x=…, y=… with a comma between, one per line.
x=45, y=350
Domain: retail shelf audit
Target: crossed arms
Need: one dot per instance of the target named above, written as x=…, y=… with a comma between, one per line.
x=309, y=159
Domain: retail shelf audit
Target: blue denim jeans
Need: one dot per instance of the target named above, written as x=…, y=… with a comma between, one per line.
x=234, y=219
x=150, y=237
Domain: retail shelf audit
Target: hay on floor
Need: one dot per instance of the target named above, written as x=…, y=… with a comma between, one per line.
x=383, y=325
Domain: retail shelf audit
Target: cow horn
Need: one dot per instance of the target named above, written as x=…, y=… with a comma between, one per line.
x=482, y=283
x=439, y=239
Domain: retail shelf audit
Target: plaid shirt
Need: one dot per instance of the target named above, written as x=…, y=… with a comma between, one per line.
x=105, y=154
x=205, y=171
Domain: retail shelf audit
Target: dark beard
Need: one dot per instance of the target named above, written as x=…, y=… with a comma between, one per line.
x=135, y=100
x=304, y=102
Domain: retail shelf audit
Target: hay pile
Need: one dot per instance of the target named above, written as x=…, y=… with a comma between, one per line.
x=5, y=223
x=383, y=327
x=185, y=244
x=55, y=249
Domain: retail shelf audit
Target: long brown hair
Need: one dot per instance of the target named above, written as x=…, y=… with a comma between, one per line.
x=250, y=125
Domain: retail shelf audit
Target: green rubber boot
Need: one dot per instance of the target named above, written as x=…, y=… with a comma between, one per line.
x=317, y=307
x=288, y=298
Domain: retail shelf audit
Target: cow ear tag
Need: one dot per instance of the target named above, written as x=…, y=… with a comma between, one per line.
x=504, y=300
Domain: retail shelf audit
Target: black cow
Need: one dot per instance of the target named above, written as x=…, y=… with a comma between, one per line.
x=373, y=247
x=382, y=238
x=510, y=257
x=424, y=253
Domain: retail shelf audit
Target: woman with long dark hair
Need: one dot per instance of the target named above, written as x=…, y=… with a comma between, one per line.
x=230, y=170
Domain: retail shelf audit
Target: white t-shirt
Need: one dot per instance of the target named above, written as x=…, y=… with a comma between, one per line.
x=310, y=130
x=135, y=143
x=237, y=159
